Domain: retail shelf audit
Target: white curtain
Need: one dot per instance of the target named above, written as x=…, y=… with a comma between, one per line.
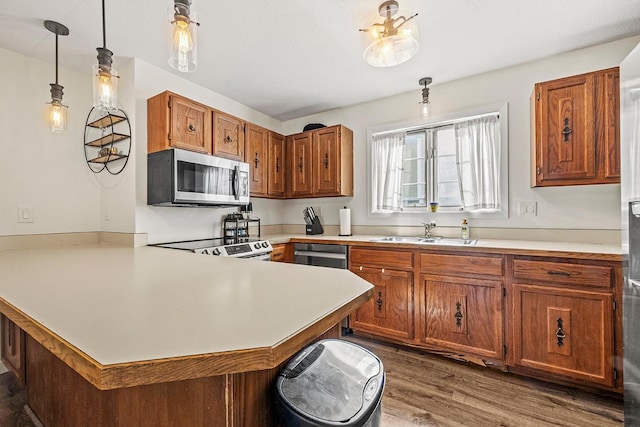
x=478, y=161
x=386, y=170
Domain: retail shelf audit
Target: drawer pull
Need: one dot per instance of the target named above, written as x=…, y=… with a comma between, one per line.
x=559, y=273
x=560, y=333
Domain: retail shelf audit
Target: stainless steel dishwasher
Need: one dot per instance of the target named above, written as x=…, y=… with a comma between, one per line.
x=322, y=255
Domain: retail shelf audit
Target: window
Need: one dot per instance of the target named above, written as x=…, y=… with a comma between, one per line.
x=459, y=163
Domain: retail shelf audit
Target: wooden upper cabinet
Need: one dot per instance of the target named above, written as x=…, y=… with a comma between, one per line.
x=299, y=165
x=177, y=122
x=576, y=130
x=333, y=161
x=256, y=155
x=276, y=165
x=228, y=136
x=329, y=169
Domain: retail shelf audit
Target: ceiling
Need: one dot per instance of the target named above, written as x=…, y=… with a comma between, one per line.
x=289, y=59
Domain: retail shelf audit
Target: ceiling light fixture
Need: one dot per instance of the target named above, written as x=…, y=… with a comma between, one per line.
x=58, y=111
x=105, y=77
x=425, y=104
x=184, y=52
x=394, y=41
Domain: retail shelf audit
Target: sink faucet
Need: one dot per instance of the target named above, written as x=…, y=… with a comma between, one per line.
x=428, y=226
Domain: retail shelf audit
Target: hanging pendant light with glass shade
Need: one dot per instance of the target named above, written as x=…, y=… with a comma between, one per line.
x=394, y=41
x=183, y=52
x=425, y=104
x=105, y=77
x=57, y=111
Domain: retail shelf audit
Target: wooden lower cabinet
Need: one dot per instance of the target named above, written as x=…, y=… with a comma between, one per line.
x=13, y=348
x=463, y=314
x=282, y=252
x=390, y=312
x=565, y=332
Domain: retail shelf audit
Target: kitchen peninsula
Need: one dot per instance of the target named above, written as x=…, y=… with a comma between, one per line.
x=119, y=336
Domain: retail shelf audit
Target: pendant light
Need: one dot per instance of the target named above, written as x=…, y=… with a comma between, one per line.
x=393, y=41
x=183, y=52
x=425, y=104
x=105, y=77
x=57, y=111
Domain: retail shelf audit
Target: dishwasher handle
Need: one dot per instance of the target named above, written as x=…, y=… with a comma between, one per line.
x=314, y=254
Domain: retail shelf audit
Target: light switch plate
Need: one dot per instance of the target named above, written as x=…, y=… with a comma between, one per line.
x=527, y=208
x=25, y=214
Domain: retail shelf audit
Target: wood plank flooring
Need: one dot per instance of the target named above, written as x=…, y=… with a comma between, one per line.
x=429, y=390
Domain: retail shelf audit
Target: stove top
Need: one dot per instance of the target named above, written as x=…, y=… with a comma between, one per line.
x=249, y=249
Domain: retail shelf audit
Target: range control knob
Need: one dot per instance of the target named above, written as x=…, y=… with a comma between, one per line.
x=216, y=251
x=257, y=245
x=265, y=244
x=206, y=252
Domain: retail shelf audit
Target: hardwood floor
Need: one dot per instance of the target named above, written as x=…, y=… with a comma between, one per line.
x=428, y=390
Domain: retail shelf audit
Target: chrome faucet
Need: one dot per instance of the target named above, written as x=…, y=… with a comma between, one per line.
x=428, y=226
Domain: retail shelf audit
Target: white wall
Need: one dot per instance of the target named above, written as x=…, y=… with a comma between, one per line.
x=574, y=207
x=38, y=168
x=164, y=224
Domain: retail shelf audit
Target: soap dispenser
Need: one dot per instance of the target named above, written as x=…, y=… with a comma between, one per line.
x=464, y=231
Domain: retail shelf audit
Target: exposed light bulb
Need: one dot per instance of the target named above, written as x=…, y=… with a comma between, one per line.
x=57, y=117
x=105, y=89
x=425, y=110
x=182, y=44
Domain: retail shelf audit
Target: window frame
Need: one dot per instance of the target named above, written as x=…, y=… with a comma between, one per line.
x=445, y=119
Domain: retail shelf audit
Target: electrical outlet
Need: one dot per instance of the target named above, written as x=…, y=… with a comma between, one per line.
x=25, y=214
x=527, y=208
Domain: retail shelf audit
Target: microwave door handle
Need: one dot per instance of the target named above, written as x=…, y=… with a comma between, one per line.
x=236, y=182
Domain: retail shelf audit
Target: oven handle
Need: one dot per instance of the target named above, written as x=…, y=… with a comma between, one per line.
x=236, y=182
x=315, y=254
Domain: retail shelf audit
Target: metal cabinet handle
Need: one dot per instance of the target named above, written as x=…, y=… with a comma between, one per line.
x=256, y=161
x=379, y=301
x=277, y=164
x=566, y=131
x=300, y=165
x=559, y=273
x=560, y=334
x=326, y=160
x=192, y=128
x=228, y=139
x=458, y=314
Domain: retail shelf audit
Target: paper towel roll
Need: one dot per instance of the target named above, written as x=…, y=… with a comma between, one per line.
x=345, y=222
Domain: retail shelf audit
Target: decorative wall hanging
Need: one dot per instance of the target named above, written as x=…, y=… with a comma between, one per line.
x=107, y=140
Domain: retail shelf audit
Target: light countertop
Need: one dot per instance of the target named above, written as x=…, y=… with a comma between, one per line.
x=492, y=245
x=120, y=305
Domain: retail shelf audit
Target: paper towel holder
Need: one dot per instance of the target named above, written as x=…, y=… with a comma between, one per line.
x=345, y=235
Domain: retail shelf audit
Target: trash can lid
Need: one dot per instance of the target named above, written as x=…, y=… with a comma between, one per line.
x=332, y=380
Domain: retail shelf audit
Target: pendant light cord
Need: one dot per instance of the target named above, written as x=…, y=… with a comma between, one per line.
x=104, y=28
x=56, y=58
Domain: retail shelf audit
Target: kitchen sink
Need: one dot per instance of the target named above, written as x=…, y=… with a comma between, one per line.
x=426, y=240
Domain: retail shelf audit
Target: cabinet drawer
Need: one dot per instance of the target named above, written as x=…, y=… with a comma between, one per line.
x=593, y=276
x=381, y=258
x=279, y=253
x=461, y=264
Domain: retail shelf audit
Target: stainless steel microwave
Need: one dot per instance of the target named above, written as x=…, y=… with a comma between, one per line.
x=185, y=178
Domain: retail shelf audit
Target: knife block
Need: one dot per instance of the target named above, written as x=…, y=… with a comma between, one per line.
x=315, y=227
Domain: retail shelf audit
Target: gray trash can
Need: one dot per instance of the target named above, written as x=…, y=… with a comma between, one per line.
x=331, y=383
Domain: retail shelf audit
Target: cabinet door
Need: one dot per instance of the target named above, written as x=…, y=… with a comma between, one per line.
x=607, y=128
x=256, y=156
x=276, y=160
x=565, y=142
x=463, y=314
x=564, y=332
x=13, y=346
x=326, y=161
x=299, y=164
x=390, y=312
x=189, y=125
x=228, y=136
